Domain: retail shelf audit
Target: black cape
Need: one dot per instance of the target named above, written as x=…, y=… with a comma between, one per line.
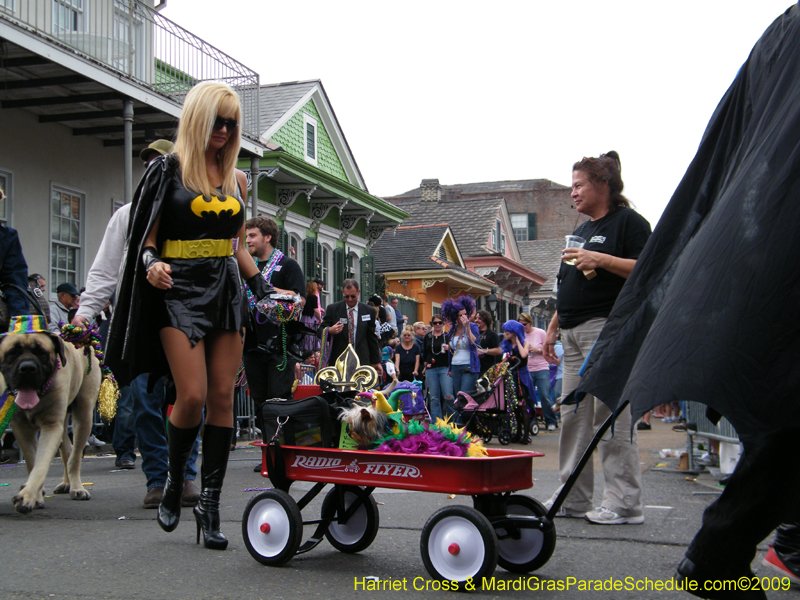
x=134, y=346
x=710, y=311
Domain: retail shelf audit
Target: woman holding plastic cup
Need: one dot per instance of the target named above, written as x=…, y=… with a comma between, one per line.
x=592, y=273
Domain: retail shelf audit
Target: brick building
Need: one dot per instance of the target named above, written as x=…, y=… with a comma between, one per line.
x=540, y=209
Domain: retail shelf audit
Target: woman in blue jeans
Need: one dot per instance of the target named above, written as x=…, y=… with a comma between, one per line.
x=465, y=364
x=436, y=359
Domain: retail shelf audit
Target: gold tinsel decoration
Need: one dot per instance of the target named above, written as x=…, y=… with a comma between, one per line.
x=89, y=340
x=107, y=397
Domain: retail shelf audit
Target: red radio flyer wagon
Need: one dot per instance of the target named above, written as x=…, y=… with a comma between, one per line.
x=457, y=542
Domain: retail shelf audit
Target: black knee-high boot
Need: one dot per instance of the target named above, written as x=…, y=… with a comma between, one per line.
x=181, y=442
x=216, y=448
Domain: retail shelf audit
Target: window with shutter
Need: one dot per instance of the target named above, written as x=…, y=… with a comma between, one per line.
x=519, y=224
x=325, y=261
x=524, y=225
x=532, y=235
x=367, y=277
x=311, y=258
x=283, y=241
x=310, y=150
x=339, y=266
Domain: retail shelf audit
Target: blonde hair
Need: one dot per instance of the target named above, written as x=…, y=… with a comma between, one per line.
x=525, y=318
x=204, y=103
x=408, y=329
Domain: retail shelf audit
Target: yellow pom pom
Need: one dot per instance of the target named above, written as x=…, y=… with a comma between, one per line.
x=107, y=398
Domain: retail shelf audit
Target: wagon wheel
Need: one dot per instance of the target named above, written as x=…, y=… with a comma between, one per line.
x=360, y=530
x=525, y=549
x=272, y=527
x=459, y=543
x=534, y=428
x=504, y=437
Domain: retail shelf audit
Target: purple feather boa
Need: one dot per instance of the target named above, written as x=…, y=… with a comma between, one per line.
x=427, y=442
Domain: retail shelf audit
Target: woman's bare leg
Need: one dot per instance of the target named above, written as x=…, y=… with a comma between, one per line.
x=188, y=367
x=223, y=359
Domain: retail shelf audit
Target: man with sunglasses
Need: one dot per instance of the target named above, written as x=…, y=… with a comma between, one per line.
x=352, y=322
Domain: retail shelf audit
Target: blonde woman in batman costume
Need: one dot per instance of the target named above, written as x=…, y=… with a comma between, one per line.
x=193, y=254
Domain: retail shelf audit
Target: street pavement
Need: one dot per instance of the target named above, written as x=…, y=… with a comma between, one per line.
x=111, y=548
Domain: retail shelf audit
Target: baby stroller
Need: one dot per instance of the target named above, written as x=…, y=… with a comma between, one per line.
x=493, y=409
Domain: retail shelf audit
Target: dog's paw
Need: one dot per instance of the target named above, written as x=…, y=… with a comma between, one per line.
x=24, y=505
x=61, y=488
x=80, y=494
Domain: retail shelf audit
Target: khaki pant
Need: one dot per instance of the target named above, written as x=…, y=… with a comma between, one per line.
x=619, y=455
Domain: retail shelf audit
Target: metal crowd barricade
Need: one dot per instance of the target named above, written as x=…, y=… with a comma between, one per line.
x=307, y=373
x=245, y=413
x=696, y=415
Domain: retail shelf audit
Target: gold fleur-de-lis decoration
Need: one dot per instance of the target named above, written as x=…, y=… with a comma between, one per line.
x=348, y=374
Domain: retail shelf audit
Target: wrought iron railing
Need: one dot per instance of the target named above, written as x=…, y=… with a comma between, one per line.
x=135, y=40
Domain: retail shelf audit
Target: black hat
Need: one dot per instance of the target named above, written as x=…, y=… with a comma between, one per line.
x=67, y=288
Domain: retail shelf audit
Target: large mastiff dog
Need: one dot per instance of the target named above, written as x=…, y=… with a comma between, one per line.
x=50, y=380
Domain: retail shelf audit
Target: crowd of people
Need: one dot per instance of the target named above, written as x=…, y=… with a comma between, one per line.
x=183, y=323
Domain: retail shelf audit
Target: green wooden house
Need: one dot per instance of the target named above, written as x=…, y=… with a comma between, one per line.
x=309, y=182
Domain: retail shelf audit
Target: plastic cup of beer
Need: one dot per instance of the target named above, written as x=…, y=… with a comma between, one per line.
x=573, y=241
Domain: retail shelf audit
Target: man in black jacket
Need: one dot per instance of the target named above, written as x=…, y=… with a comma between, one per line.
x=352, y=322
x=269, y=370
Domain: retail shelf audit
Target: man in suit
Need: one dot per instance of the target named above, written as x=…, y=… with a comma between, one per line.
x=341, y=318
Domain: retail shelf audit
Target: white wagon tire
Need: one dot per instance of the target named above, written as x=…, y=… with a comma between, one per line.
x=459, y=543
x=272, y=527
x=360, y=530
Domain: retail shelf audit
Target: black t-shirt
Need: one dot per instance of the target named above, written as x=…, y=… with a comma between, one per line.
x=311, y=304
x=287, y=276
x=488, y=339
x=432, y=351
x=622, y=233
x=407, y=358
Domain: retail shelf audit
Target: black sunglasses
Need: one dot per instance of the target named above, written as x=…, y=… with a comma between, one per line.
x=230, y=124
x=436, y=322
x=347, y=296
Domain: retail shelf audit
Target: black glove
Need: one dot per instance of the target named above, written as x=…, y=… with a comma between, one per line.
x=259, y=286
x=150, y=257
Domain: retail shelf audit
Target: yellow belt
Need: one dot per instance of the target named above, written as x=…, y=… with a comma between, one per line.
x=196, y=248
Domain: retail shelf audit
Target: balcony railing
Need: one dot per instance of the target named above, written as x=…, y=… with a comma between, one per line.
x=136, y=41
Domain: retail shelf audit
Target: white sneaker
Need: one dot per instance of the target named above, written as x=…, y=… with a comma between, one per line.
x=551, y=428
x=93, y=441
x=603, y=516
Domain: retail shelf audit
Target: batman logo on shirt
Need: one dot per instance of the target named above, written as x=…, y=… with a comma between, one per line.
x=205, y=208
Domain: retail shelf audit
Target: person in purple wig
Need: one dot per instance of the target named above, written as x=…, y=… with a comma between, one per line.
x=514, y=344
x=465, y=365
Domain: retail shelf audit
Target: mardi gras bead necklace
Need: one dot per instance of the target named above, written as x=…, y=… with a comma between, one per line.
x=267, y=271
x=89, y=339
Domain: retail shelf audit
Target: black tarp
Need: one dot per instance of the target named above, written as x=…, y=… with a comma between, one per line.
x=711, y=312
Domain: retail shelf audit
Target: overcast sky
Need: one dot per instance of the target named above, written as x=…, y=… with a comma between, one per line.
x=468, y=91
